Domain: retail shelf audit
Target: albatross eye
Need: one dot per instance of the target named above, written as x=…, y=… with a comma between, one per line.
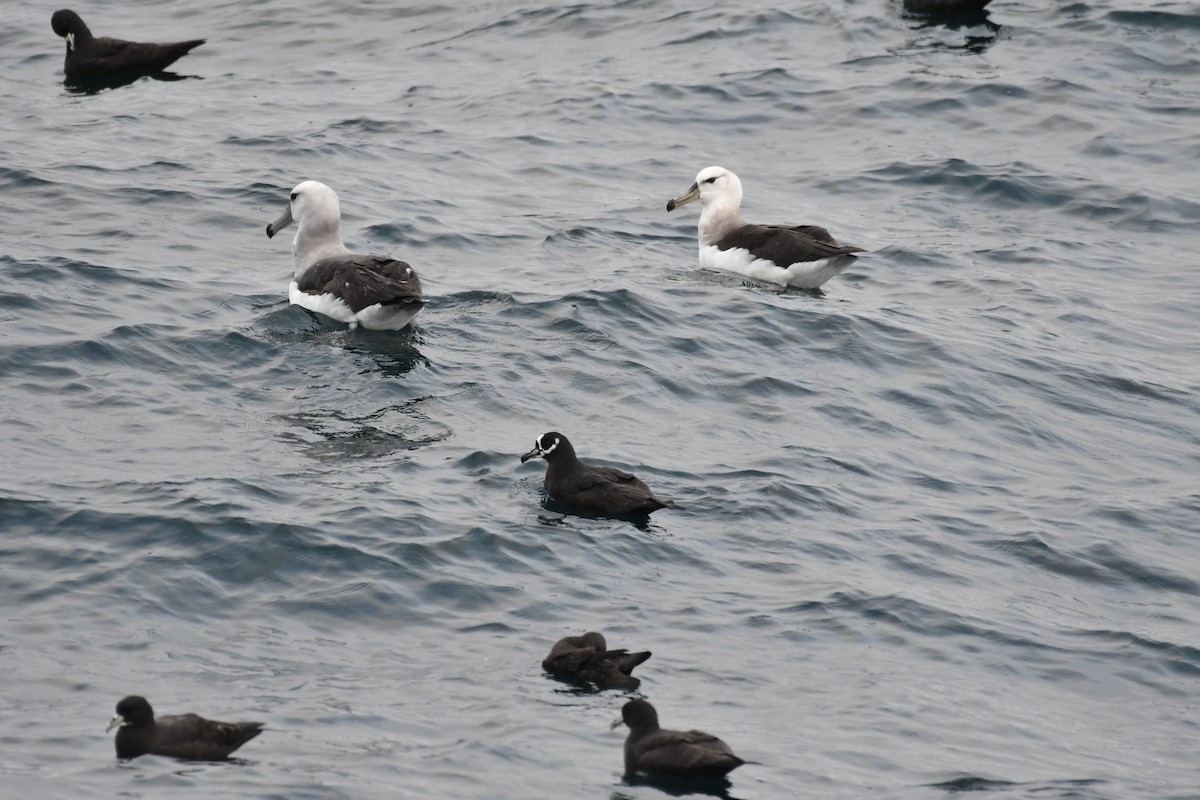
x=294, y=195
x=713, y=179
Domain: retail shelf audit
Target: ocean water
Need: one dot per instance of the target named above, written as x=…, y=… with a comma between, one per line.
x=942, y=525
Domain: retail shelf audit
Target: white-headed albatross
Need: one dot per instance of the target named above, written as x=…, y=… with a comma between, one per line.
x=803, y=256
x=377, y=292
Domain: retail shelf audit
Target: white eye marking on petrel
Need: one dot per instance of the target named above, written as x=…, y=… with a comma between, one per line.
x=547, y=450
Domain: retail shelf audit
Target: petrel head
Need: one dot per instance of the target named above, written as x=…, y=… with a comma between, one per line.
x=132, y=712
x=71, y=27
x=638, y=715
x=545, y=445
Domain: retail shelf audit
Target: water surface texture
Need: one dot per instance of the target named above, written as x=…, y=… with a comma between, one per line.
x=941, y=526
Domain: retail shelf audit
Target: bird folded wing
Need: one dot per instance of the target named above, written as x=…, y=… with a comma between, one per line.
x=785, y=245
x=355, y=281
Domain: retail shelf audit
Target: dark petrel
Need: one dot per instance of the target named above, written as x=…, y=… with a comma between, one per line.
x=587, y=658
x=678, y=754
x=946, y=7
x=184, y=736
x=599, y=491
x=89, y=58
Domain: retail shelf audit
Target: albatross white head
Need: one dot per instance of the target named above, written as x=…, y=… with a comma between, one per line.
x=315, y=209
x=720, y=194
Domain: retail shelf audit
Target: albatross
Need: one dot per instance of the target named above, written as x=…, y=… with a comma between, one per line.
x=801, y=256
x=377, y=292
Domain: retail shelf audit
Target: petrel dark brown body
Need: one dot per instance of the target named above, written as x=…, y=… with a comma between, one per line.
x=90, y=58
x=185, y=736
x=677, y=754
x=587, y=658
x=946, y=7
x=599, y=491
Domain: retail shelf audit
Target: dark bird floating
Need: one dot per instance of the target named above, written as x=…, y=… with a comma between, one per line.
x=679, y=754
x=598, y=491
x=184, y=736
x=802, y=256
x=587, y=658
x=89, y=58
x=946, y=7
x=377, y=292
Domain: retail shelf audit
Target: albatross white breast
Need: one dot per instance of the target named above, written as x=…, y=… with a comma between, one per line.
x=377, y=292
x=803, y=256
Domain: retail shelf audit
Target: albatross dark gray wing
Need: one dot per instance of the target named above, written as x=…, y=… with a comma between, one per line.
x=785, y=245
x=363, y=280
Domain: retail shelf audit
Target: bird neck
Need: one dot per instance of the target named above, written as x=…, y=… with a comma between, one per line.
x=80, y=36
x=565, y=454
x=315, y=240
x=716, y=222
x=645, y=727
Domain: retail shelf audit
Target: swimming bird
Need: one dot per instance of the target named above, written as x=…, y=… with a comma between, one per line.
x=803, y=256
x=89, y=58
x=600, y=491
x=587, y=658
x=377, y=292
x=184, y=736
x=681, y=754
x=946, y=7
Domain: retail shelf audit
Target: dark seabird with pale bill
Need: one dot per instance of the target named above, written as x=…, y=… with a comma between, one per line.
x=376, y=292
x=801, y=256
x=587, y=658
x=185, y=736
x=679, y=754
x=91, y=58
x=598, y=491
x=946, y=7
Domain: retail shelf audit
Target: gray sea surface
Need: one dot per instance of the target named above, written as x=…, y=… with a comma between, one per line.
x=942, y=524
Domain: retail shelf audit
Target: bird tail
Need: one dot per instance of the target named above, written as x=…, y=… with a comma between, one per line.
x=625, y=660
